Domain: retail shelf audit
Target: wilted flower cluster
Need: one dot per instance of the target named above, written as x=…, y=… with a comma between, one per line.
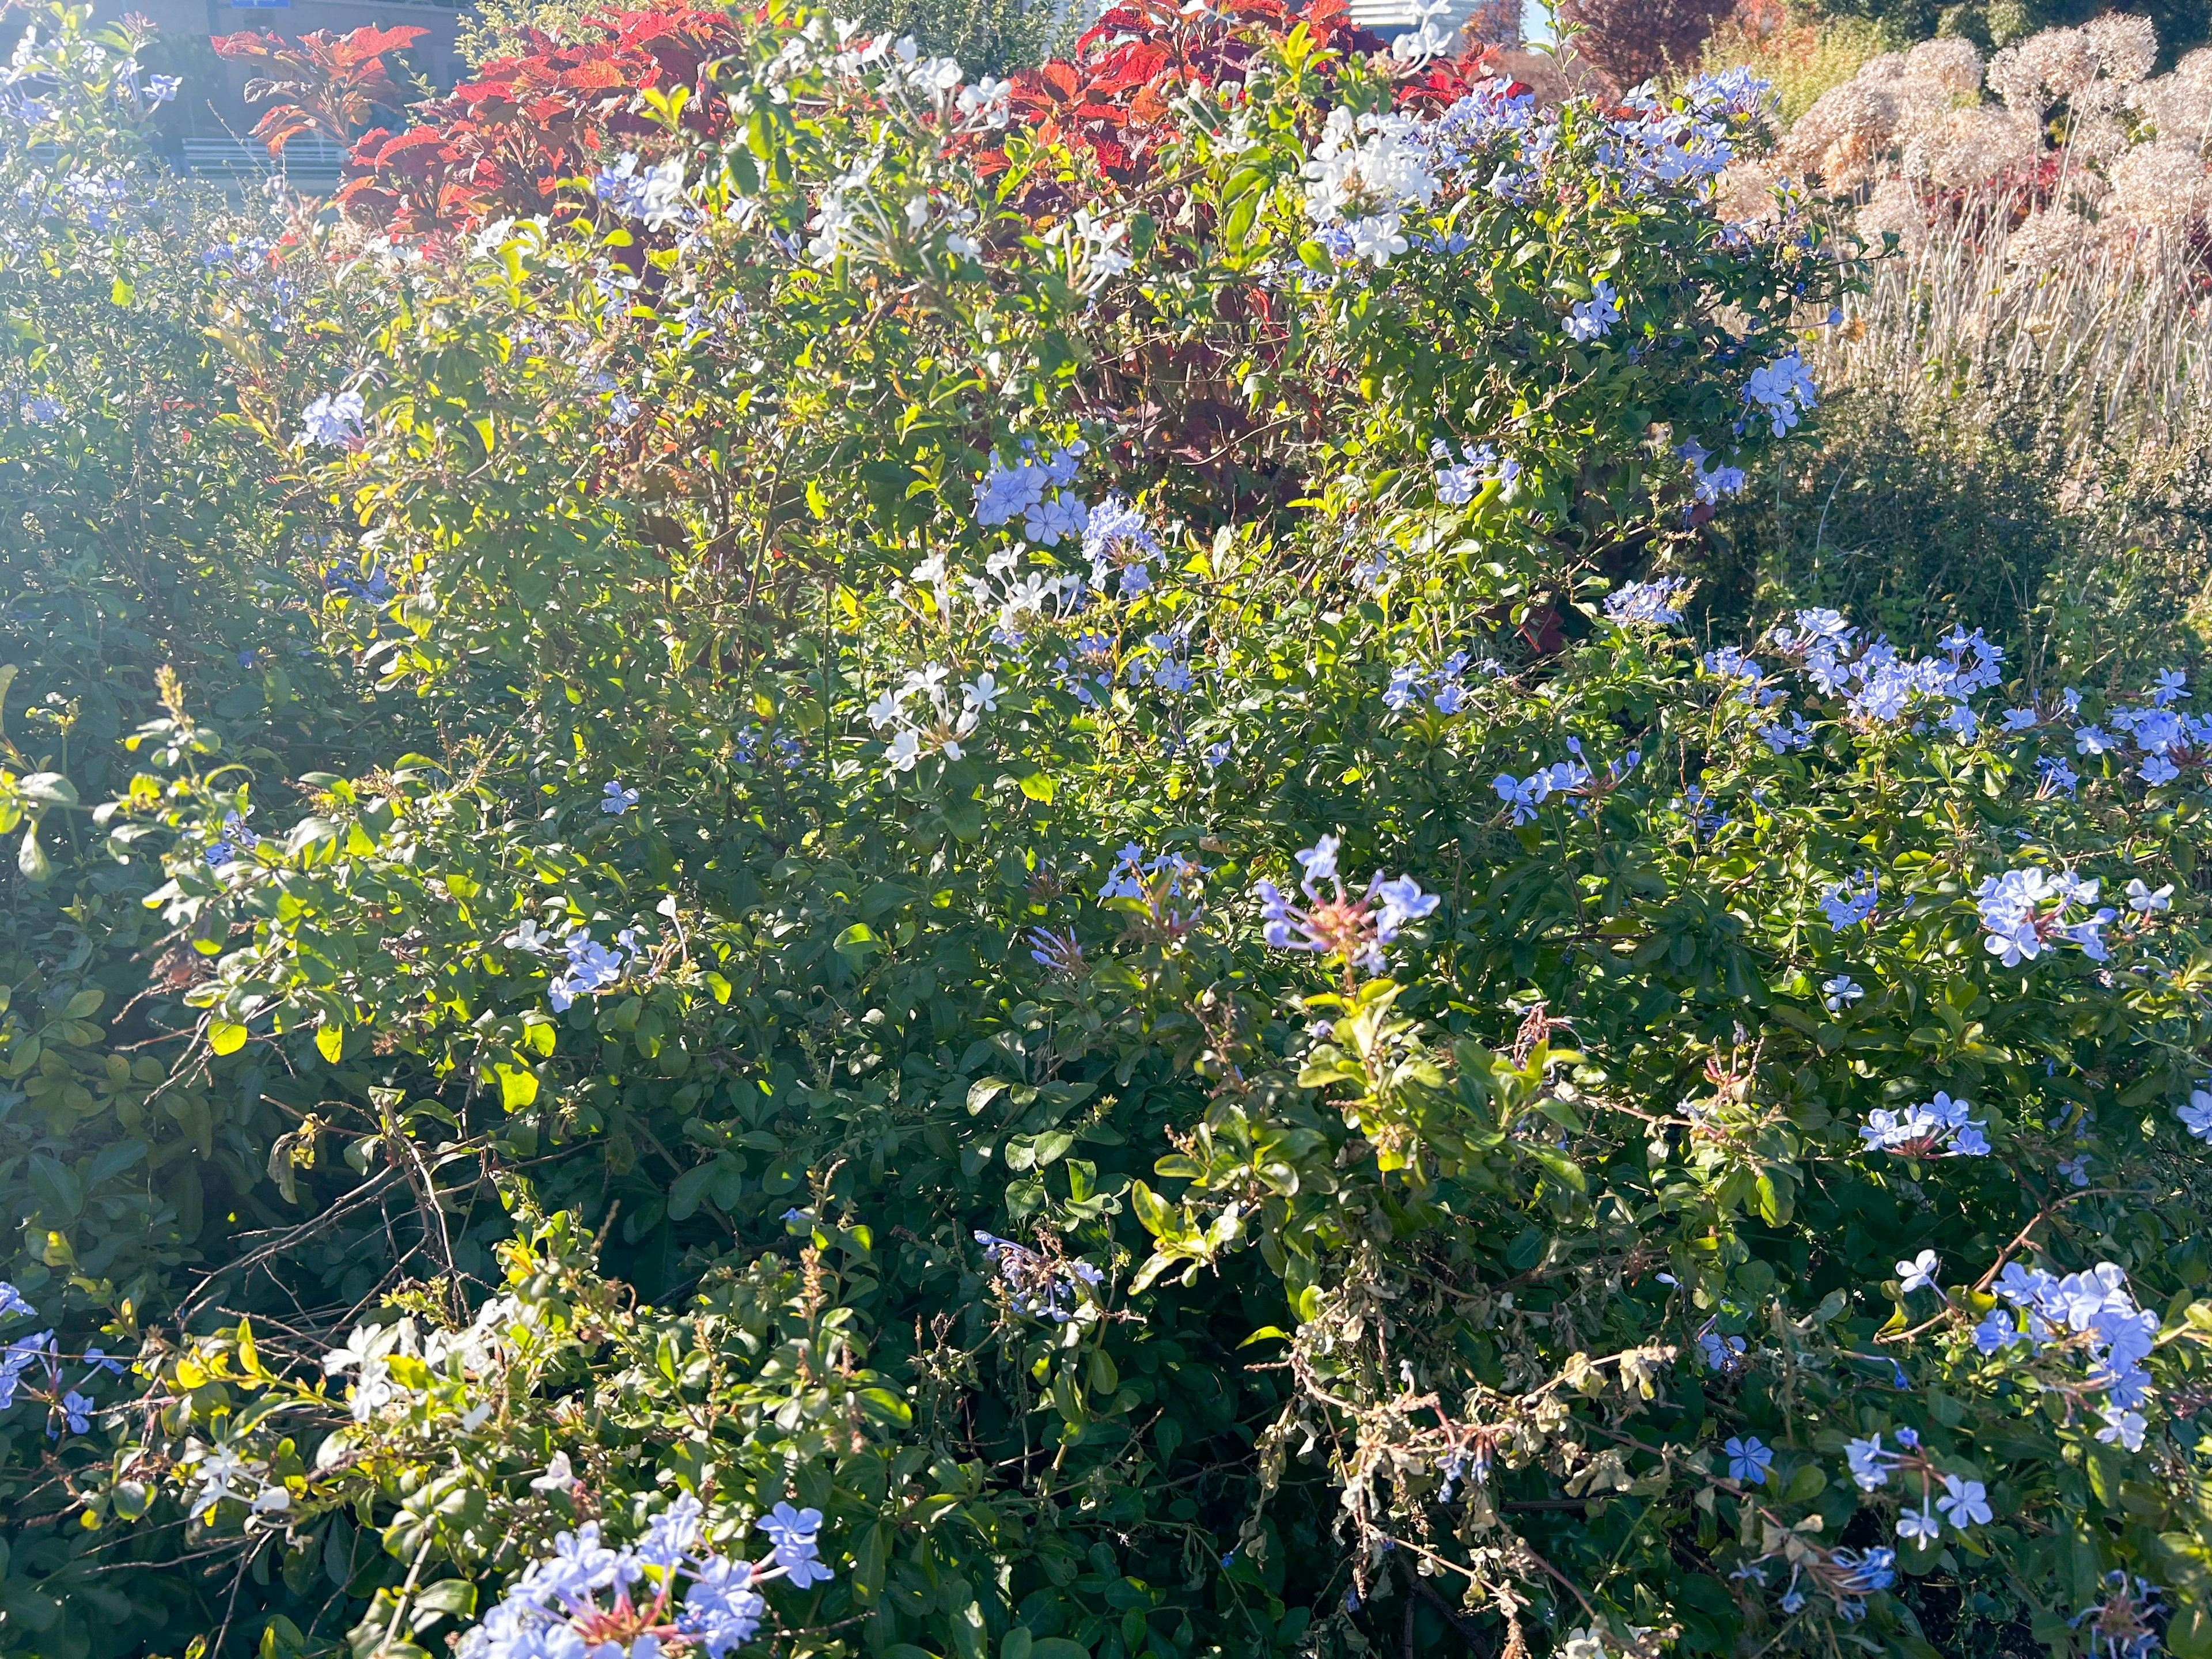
x=666, y=1594
x=1353, y=930
x=1038, y=1285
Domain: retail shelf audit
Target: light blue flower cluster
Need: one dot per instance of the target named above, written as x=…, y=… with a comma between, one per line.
x=1880, y=686
x=1936, y=1128
x=1334, y=924
x=1037, y=1285
x=143, y=99
x=1447, y=691
x=1115, y=539
x=2023, y=911
x=235, y=842
x=1134, y=875
x=1035, y=492
x=1460, y=482
x=1656, y=145
x=1169, y=666
x=1964, y=1503
x=1525, y=795
x=2095, y=1305
x=1780, y=391
x=587, y=1600
x=1651, y=604
x=653, y=194
x=591, y=967
x=69, y=1410
x=1593, y=318
x=1850, y=903
x=1089, y=673
x=1710, y=484
x=333, y=420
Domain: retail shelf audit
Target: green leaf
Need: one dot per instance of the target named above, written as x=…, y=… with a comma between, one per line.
x=224, y=1037
x=329, y=1041
x=31, y=857
x=517, y=1086
x=1039, y=786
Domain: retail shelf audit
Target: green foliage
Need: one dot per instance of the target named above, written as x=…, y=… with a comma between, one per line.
x=598, y=972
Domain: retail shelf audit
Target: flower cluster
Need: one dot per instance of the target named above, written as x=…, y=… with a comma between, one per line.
x=1038, y=1285
x=654, y=195
x=1593, y=318
x=935, y=721
x=1710, y=483
x=1371, y=167
x=591, y=967
x=588, y=1601
x=1115, y=540
x=1964, y=1503
x=1851, y=901
x=1525, y=795
x=2023, y=911
x=1460, y=482
x=1335, y=925
x=1934, y=1128
x=1446, y=689
x=1652, y=603
x=1880, y=686
x=2092, y=1311
x=1780, y=391
x=333, y=420
x=235, y=842
x=1036, y=492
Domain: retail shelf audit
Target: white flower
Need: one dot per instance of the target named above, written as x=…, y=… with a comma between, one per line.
x=982, y=692
x=558, y=1476
x=1919, y=1274
x=905, y=750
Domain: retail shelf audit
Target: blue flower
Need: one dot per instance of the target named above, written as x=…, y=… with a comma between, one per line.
x=618, y=799
x=333, y=420
x=1594, y=318
x=1652, y=603
x=1748, y=1459
x=1847, y=903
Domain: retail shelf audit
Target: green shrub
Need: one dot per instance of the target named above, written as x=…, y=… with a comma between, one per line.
x=776, y=945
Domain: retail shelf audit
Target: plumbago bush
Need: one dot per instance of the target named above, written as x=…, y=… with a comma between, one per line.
x=930, y=868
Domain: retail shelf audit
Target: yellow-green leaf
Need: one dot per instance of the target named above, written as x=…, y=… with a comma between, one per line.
x=224, y=1037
